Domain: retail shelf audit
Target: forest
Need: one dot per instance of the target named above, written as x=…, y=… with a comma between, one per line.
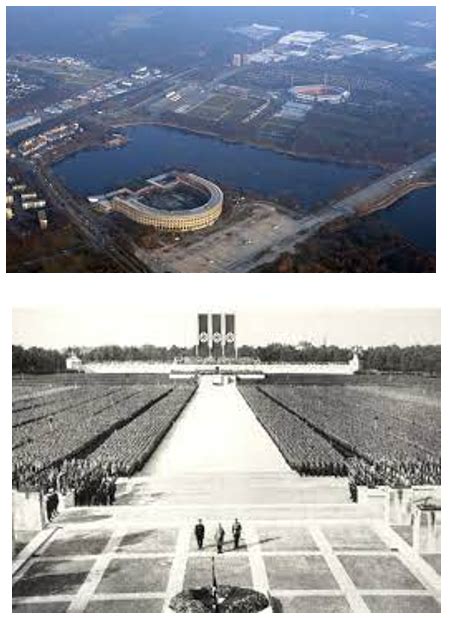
x=391, y=358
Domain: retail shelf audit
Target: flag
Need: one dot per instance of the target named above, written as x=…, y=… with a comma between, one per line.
x=214, y=588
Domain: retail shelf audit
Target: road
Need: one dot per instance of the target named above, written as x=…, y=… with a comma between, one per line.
x=77, y=210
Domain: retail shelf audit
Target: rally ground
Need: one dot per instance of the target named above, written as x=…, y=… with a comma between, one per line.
x=303, y=541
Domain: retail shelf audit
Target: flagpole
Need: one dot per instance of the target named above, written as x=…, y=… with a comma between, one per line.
x=214, y=589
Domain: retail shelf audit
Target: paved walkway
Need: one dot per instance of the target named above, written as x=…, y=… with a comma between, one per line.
x=216, y=433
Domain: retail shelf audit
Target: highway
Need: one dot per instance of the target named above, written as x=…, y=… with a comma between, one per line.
x=381, y=190
x=77, y=210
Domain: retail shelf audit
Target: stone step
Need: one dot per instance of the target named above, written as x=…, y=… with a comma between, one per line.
x=141, y=516
x=258, y=489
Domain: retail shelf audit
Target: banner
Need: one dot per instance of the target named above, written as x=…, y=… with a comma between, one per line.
x=203, y=335
x=229, y=338
x=217, y=336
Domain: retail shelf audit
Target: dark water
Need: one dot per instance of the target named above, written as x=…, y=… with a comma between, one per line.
x=152, y=150
x=414, y=217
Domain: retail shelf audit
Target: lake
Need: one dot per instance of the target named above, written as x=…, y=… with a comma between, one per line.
x=152, y=150
x=414, y=217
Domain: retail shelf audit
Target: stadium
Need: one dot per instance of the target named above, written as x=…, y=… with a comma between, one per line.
x=175, y=201
x=320, y=93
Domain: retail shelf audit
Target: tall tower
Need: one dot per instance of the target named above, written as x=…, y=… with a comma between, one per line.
x=229, y=337
x=203, y=335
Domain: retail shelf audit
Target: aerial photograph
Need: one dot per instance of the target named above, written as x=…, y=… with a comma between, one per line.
x=226, y=459
x=220, y=139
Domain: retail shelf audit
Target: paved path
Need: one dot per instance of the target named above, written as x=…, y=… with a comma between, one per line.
x=216, y=433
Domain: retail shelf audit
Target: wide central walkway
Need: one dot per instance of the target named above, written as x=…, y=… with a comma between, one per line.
x=216, y=433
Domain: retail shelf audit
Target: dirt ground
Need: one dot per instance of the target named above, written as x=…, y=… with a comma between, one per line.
x=227, y=248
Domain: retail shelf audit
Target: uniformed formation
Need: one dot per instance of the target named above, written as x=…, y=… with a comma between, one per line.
x=91, y=483
x=393, y=473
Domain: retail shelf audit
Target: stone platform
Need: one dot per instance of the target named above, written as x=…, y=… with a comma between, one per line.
x=328, y=555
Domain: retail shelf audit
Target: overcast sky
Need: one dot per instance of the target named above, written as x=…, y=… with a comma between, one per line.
x=60, y=327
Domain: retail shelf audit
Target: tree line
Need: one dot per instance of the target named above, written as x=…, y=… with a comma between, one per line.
x=392, y=358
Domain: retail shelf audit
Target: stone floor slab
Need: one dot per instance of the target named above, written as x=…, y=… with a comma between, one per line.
x=232, y=569
x=125, y=606
x=50, y=578
x=67, y=543
x=280, y=538
x=313, y=604
x=379, y=572
x=299, y=573
x=39, y=608
x=161, y=540
x=402, y=604
x=136, y=575
x=348, y=537
x=405, y=532
x=434, y=560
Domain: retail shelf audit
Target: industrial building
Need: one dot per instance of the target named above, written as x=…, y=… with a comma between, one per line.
x=57, y=134
x=42, y=219
x=167, y=190
x=22, y=123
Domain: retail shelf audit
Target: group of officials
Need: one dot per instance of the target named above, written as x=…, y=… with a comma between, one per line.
x=219, y=536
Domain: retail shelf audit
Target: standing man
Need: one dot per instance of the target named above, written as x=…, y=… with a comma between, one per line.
x=236, y=532
x=199, y=533
x=219, y=538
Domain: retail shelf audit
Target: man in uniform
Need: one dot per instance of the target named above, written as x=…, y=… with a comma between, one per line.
x=199, y=533
x=219, y=538
x=236, y=532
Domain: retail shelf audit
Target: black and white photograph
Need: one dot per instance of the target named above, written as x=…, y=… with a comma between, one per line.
x=216, y=460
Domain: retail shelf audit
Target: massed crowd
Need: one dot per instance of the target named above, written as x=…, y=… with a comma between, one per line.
x=93, y=483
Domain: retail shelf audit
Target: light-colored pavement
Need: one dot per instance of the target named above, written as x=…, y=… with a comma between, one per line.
x=216, y=434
